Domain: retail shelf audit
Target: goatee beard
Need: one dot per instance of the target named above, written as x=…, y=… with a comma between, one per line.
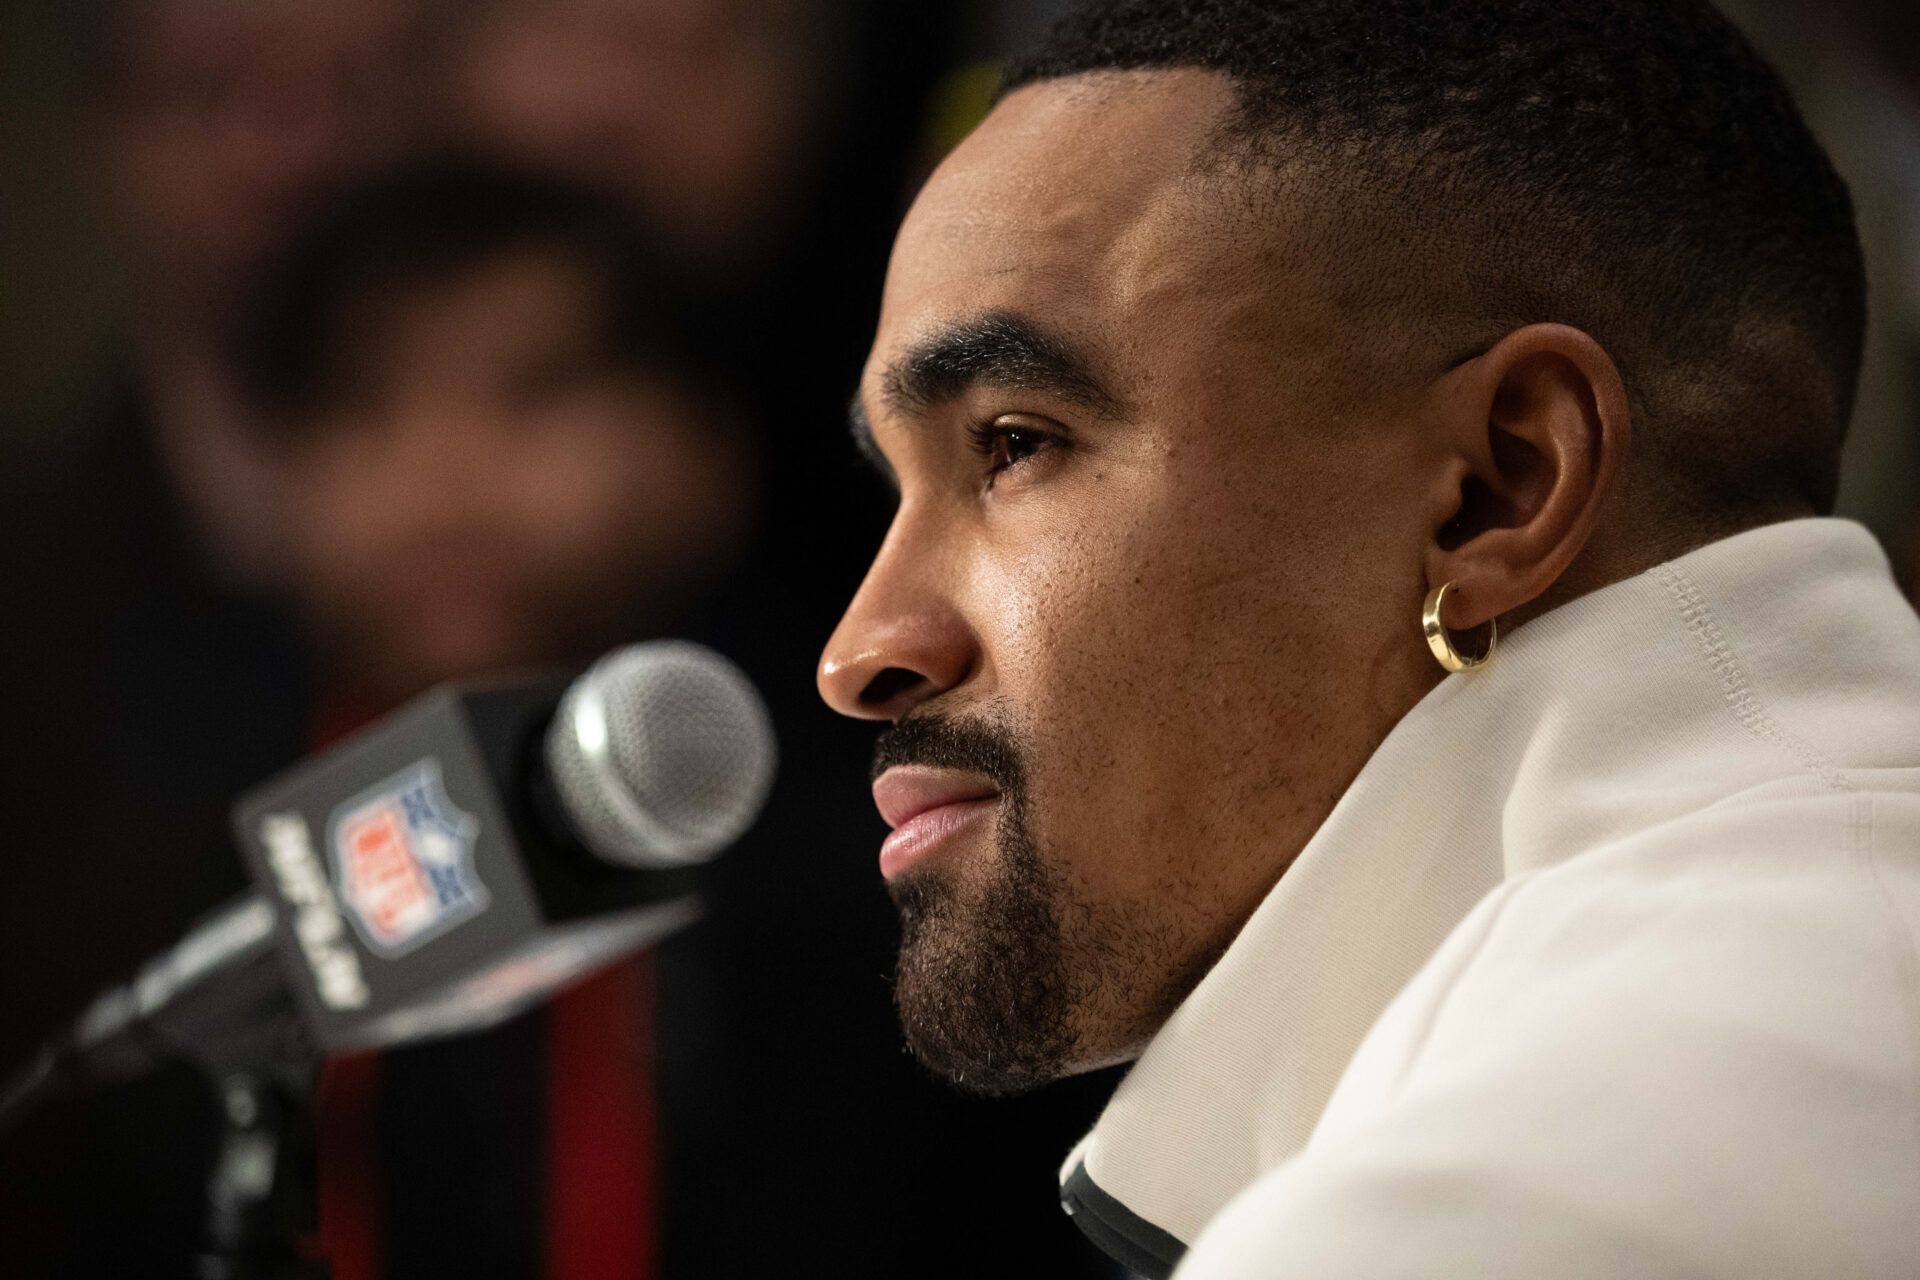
x=982, y=984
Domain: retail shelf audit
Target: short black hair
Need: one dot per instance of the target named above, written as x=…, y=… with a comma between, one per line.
x=1630, y=167
x=431, y=223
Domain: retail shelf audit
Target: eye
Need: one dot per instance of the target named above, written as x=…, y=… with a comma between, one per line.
x=1005, y=445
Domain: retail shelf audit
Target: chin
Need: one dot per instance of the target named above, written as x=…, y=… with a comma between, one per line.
x=981, y=986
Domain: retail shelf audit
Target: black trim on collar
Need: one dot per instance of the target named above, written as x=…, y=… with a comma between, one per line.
x=1121, y=1234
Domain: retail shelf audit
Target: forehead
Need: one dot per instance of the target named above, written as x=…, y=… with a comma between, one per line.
x=167, y=33
x=1077, y=203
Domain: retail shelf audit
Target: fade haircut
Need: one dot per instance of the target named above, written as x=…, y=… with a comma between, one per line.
x=1629, y=167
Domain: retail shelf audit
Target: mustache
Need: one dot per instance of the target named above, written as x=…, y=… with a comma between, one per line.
x=944, y=742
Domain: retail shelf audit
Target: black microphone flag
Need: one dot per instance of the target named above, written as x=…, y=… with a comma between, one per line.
x=423, y=882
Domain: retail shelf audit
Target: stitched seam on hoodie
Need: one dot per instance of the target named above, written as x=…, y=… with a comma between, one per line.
x=1906, y=961
x=1745, y=704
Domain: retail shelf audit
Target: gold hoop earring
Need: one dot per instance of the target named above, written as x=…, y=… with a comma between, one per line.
x=1442, y=644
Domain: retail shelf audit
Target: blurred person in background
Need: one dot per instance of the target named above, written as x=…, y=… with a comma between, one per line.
x=781, y=1104
x=502, y=447
x=154, y=682
x=705, y=115
x=1880, y=42
x=222, y=124
x=1855, y=70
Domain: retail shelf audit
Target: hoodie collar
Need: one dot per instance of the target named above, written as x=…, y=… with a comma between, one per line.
x=1575, y=734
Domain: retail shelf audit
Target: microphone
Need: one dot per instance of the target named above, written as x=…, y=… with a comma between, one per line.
x=447, y=867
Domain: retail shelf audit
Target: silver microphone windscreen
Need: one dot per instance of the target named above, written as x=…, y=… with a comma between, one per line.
x=662, y=754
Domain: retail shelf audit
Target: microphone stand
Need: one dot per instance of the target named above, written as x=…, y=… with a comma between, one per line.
x=243, y=1034
x=262, y=1200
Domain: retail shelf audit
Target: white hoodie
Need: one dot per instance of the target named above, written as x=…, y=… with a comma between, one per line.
x=1607, y=964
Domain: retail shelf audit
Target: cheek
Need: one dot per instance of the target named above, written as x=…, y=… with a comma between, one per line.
x=560, y=492
x=1139, y=611
x=353, y=496
x=1148, y=645
x=647, y=493
x=338, y=526
x=578, y=511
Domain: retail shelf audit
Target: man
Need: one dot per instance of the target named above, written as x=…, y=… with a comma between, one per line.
x=1236, y=333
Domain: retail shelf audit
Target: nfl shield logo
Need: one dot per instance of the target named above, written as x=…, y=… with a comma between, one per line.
x=403, y=860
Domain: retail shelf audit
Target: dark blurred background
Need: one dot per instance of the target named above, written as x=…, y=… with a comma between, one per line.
x=350, y=347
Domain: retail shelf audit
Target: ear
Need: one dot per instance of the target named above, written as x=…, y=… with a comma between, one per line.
x=1532, y=437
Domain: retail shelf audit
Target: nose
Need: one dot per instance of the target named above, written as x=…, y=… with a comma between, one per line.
x=901, y=642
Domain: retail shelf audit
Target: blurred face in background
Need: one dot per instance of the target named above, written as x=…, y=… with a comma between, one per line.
x=226, y=119
x=702, y=113
x=489, y=485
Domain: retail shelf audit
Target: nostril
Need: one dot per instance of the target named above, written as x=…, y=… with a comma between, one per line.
x=887, y=686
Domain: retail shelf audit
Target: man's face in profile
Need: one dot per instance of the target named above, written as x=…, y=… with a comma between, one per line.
x=1150, y=595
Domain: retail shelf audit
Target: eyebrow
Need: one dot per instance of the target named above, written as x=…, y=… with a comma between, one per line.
x=999, y=349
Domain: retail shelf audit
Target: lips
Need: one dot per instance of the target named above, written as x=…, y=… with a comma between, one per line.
x=924, y=806
x=904, y=792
